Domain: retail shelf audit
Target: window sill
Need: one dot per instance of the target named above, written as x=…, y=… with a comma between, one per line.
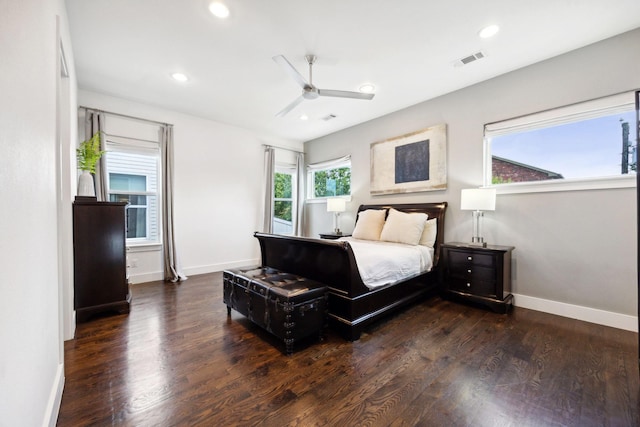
x=145, y=247
x=627, y=181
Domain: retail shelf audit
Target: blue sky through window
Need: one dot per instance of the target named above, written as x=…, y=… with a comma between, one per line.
x=589, y=148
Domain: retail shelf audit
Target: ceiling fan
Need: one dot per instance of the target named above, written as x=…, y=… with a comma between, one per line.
x=309, y=91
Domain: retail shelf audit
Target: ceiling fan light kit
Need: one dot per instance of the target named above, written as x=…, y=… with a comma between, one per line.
x=309, y=91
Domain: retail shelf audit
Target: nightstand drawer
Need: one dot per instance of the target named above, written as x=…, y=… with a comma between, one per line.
x=474, y=287
x=471, y=258
x=473, y=272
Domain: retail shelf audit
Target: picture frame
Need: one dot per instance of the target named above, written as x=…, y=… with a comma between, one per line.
x=410, y=163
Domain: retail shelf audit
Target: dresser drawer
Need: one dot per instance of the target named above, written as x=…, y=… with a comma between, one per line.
x=464, y=258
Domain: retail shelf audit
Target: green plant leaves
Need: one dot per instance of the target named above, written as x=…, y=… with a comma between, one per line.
x=88, y=153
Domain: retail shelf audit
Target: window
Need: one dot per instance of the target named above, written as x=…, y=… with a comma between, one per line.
x=133, y=177
x=583, y=142
x=283, y=211
x=330, y=179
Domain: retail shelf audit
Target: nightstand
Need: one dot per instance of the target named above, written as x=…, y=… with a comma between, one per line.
x=478, y=274
x=333, y=236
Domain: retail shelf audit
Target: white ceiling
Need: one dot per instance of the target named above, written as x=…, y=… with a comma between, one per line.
x=406, y=48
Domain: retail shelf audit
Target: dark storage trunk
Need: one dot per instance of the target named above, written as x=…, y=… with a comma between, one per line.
x=236, y=292
x=291, y=307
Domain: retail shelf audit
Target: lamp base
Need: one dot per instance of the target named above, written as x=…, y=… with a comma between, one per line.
x=478, y=244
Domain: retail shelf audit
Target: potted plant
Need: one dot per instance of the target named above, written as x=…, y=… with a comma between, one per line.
x=88, y=155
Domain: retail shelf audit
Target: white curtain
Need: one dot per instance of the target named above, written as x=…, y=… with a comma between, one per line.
x=94, y=122
x=172, y=271
x=298, y=227
x=269, y=169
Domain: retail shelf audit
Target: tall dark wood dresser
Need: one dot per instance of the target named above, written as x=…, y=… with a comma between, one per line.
x=99, y=253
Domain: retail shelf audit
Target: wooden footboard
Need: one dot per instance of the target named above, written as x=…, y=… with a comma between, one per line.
x=352, y=305
x=326, y=261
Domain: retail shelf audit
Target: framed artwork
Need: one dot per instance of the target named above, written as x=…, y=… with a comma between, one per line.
x=410, y=163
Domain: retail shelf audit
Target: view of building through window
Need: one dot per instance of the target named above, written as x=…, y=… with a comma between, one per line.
x=133, y=178
x=137, y=204
x=594, y=147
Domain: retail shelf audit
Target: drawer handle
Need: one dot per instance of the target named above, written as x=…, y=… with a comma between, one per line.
x=470, y=258
x=468, y=285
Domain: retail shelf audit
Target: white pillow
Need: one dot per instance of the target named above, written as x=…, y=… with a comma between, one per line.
x=429, y=233
x=369, y=224
x=403, y=227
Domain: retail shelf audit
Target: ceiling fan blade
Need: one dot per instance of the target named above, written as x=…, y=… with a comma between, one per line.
x=290, y=107
x=289, y=69
x=345, y=94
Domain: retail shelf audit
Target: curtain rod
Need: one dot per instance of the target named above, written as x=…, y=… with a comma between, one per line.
x=125, y=116
x=283, y=148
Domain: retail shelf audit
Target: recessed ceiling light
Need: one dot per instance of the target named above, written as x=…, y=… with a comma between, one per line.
x=219, y=9
x=367, y=88
x=489, y=31
x=304, y=117
x=179, y=77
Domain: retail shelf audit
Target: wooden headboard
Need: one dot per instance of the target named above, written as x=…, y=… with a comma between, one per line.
x=434, y=210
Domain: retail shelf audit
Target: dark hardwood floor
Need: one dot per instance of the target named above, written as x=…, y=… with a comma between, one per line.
x=177, y=359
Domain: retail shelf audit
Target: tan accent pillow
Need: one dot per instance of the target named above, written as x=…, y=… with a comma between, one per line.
x=429, y=233
x=402, y=227
x=369, y=224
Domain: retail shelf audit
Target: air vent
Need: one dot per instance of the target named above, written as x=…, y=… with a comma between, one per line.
x=468, y=59
x=329, y=117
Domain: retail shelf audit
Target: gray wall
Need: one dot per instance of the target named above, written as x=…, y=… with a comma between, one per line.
x=573, y=248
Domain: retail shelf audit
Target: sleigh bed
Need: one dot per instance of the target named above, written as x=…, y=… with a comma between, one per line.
x=353, y=305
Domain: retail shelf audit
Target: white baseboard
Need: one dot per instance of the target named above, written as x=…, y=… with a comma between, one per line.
x=55, y=398
x=203, y=269
x=145, y=277
x=587, y=314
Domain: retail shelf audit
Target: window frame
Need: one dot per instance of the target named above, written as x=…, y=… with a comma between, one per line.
x=312, y=168
x=572, y=113
x=286, y=169
x=146, y=148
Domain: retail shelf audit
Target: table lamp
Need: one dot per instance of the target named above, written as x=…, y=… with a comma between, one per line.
x=336, y=205
x=478, y=200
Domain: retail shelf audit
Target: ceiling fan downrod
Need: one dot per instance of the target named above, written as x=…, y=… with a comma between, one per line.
x=310, y=59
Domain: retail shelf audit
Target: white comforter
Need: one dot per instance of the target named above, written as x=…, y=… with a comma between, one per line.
x=381, y=263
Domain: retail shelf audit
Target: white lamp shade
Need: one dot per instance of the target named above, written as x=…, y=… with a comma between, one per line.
x=336, y=205
x=478, y=199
